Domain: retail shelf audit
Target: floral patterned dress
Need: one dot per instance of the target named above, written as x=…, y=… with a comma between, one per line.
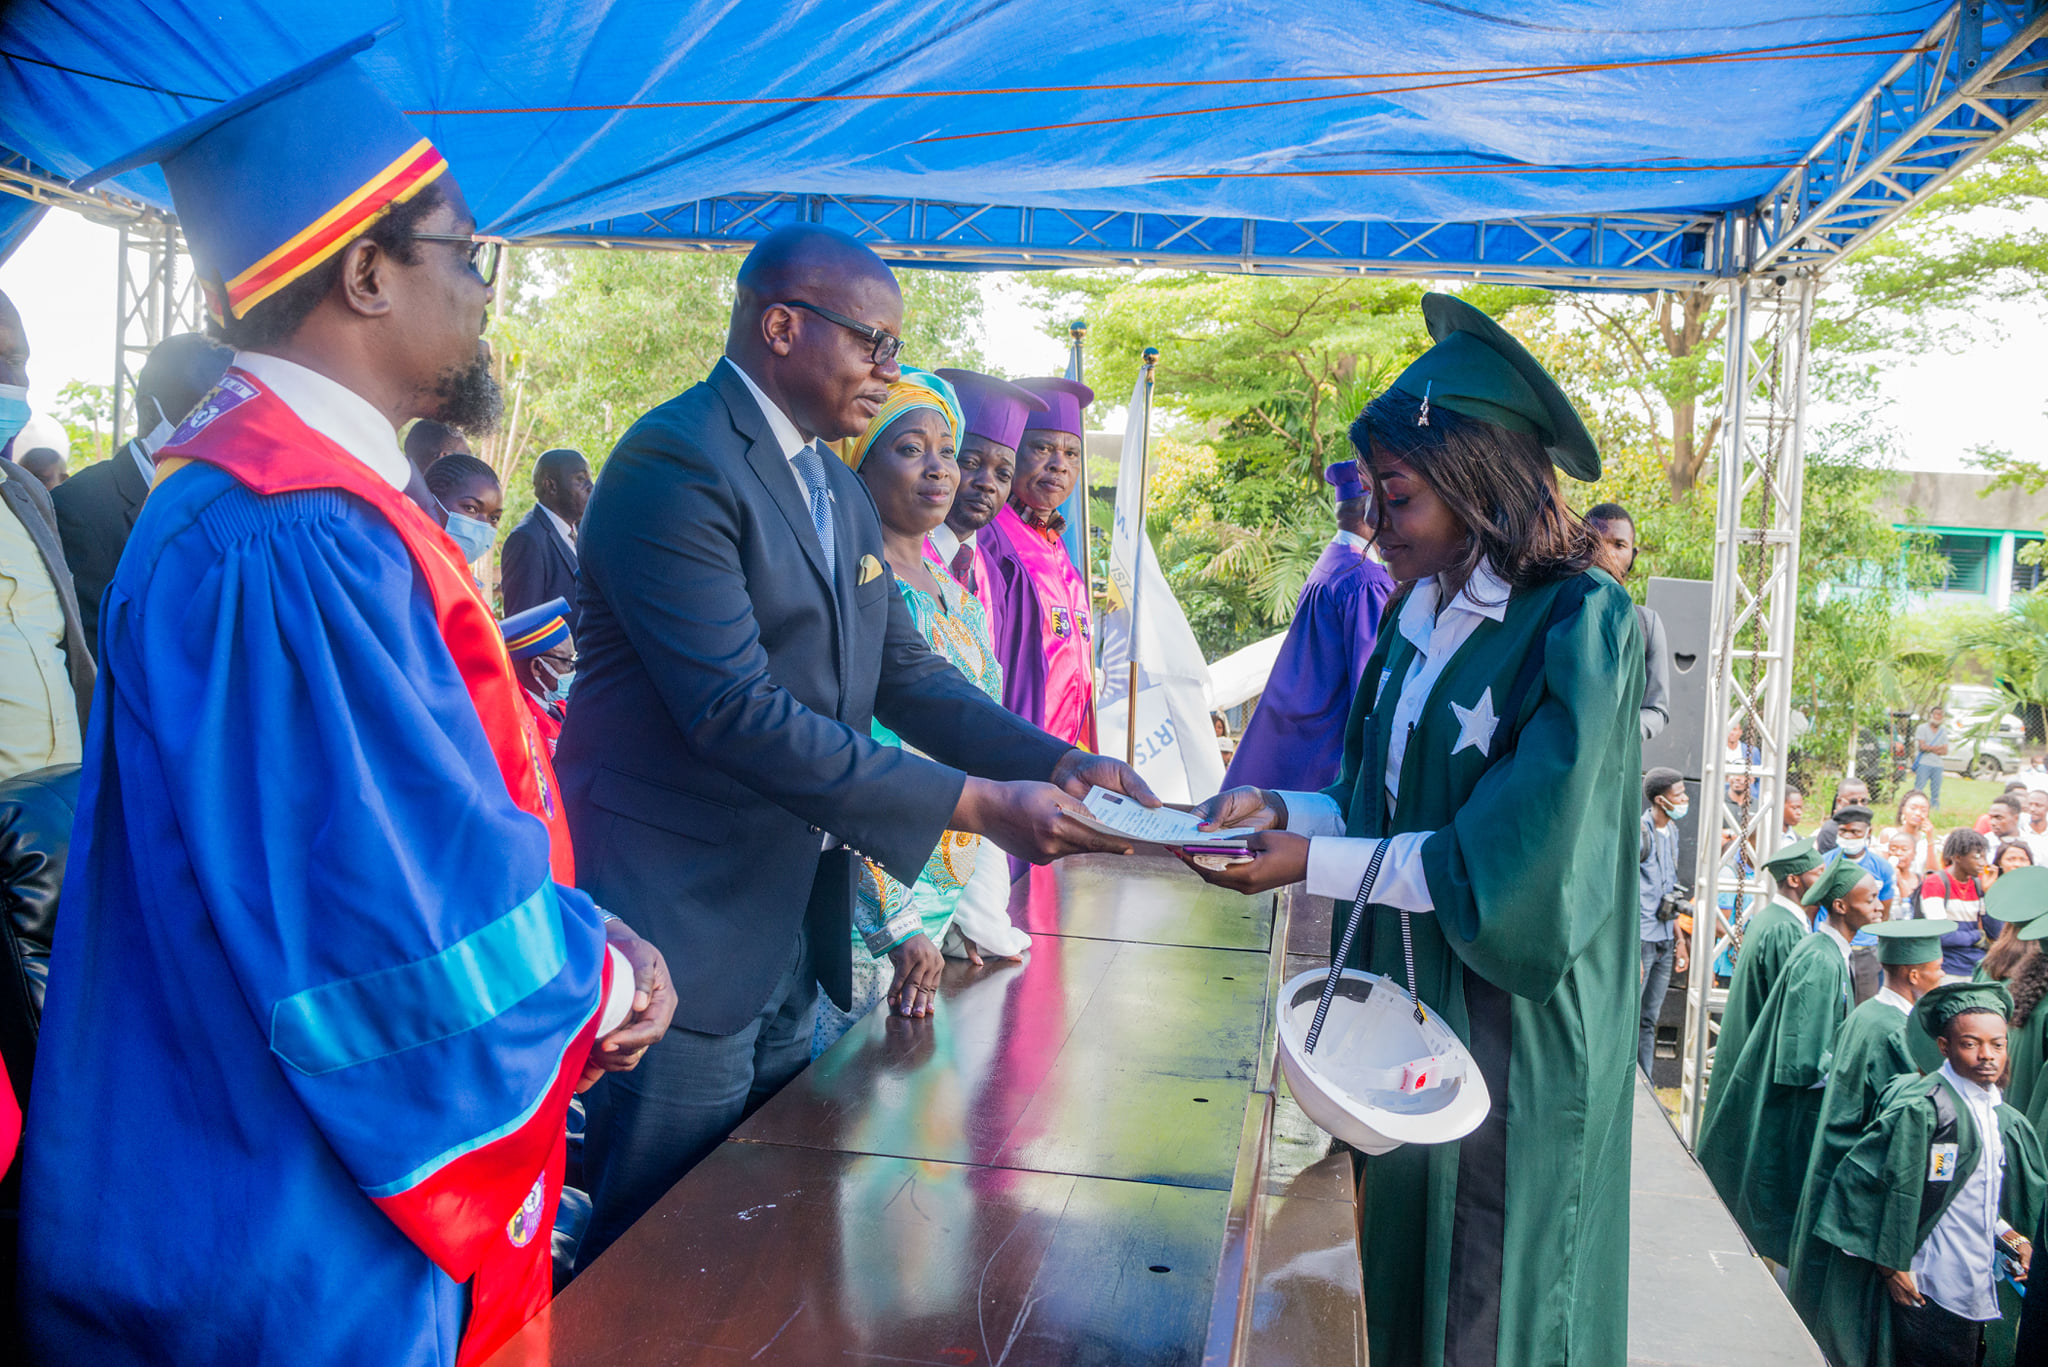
x=956, y=625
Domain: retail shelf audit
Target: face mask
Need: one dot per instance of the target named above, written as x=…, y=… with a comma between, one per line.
x=1852, y=848
x=13, y=411
x=158, y=434
x=473, y=536
x=560, y=692
x=1678, y=813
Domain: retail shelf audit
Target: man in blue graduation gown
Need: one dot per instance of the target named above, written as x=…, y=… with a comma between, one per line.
x=323, y=983
x=1296, y=735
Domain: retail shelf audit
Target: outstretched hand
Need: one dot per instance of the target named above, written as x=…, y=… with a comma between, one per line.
x=1034, y=821
x=1078, y=771
x=1278, y=858
x=1233, y=808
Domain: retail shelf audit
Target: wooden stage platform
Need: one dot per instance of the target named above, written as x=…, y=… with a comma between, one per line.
x=1085, y=1159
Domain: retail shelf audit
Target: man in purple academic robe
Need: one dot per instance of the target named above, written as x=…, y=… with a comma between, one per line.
x=1296, y=736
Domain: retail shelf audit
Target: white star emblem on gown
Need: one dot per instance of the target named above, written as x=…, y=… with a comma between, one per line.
x=1476, y=724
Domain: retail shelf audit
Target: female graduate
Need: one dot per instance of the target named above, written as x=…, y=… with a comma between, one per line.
x=1495, y=805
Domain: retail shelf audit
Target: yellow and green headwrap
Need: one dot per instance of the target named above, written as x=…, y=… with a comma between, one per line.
x=917, y=389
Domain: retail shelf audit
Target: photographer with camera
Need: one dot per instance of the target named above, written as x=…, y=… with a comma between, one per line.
x=1662, y=901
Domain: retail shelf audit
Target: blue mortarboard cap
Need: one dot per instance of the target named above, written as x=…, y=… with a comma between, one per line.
x=536, y=631
x=274, y=182
x=1064, y=400
x=995, y=410
x=1343, y=477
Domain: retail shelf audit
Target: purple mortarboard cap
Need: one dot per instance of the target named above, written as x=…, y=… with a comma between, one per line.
x=995, y=410
x=1343, y=477
x=1065, y=399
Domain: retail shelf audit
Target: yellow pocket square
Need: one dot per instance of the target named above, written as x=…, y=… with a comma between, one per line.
x=870, y=568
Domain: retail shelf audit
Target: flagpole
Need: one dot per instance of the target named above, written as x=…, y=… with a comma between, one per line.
x=1076, y=369
x=1138, y=571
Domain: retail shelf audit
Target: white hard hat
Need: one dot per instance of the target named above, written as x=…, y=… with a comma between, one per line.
x=1379, y=1078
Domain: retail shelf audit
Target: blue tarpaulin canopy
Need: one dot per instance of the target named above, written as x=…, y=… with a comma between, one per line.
x=1574, y=134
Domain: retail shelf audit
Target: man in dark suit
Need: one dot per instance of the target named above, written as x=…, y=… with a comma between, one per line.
x=539, y=559
x=740, y=630
x=97, y=507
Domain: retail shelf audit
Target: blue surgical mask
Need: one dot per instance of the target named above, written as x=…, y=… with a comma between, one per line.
x=474, y=536
x=560, y=692
x=13, y=411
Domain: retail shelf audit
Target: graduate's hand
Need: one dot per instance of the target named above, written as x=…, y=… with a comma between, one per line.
x=1034, y=821
x=915, y=991
x=1903, y=1289
x=1278, y=859
x=2023, y=1249
x=1258, y=808
x=975, y=951
x=1078, y=771
x=654, y=1005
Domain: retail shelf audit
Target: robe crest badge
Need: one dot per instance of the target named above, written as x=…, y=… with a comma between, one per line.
x=521, y=1228
x=1476, y=724
x=1941, y=1163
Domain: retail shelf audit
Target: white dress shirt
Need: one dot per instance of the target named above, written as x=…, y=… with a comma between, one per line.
x=561, y=524
x=335, y=411
x=1891, y=998
x=1805, y=914
x=784, y=431
x=1336, y=862
x=1957, y=1267
x=1351, y=539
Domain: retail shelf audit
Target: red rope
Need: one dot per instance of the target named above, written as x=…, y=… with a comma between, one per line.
x=1505, y=169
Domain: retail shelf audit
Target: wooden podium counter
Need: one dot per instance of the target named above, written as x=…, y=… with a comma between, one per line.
x=1081, y=1159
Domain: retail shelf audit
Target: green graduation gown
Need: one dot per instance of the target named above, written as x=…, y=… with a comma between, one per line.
x=1870, y=1054
x=2025, y=1089
x=1512, y=1245
x=1756, y=1144
x=1873, y=1217
x=1773, y=932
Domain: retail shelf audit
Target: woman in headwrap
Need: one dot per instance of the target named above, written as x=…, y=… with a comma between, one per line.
x=1486, y=819
x=907, y=459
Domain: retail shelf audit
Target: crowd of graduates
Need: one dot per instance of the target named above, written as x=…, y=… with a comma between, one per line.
x=1873, y=1111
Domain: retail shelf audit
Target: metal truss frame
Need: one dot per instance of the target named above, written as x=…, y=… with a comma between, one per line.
x=1607, y=251
x=153, y=299
x=1978, y=76
x=1756, y=600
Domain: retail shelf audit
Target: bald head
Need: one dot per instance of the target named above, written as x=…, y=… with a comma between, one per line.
x=818, y=370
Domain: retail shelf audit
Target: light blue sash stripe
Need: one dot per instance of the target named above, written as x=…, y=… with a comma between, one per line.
x=339, y=1025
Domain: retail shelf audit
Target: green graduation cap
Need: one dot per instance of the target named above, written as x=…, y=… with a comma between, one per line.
x=1801, y=856
x=1943, y=1004
x=2020, y=895
x=2036, y=929
x=1902, y=944
x=1478, y=370
x=1841, y=878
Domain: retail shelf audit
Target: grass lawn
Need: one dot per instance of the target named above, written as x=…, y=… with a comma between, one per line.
x=1963, y=800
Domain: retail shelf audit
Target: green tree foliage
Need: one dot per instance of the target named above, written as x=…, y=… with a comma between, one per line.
x=87, y=414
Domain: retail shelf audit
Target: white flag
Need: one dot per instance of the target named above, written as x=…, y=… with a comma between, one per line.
x=1176, y=751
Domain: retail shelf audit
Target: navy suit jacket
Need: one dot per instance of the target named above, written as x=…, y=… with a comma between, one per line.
x=538, y=565
x=725, y=684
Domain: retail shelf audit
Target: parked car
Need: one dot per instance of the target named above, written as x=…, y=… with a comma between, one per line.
x=1991, y=756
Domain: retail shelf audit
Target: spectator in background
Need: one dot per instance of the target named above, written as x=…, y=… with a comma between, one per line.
x=544, y=661
x=2035, y=776
x=1664, y=806
x=426, y=441
x=46, y=463
x=469, y=492
x=539, y=563
x=1916, y=823
x=2015, y=790
x=996, y=413
x=1953, y=895
x=1898, y=853
x=2002, y=821
x=1850, y=792
x=1793, y=813
x=1615, y=533
x=1852, y=840
x=46, y=665
x=97, y=508
x=2013, y=854
x=1930, y=745
x=2033, y=824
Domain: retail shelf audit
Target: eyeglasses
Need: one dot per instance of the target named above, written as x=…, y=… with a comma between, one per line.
x=887, y=344
x=484, y=252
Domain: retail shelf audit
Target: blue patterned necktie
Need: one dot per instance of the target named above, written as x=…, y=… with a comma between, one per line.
x=809, y=465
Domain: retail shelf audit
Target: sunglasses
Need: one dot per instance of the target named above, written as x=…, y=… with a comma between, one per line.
x=886, y=344
x=484, y=253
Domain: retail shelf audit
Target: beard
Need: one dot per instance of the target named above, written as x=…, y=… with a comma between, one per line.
x=467, y=397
